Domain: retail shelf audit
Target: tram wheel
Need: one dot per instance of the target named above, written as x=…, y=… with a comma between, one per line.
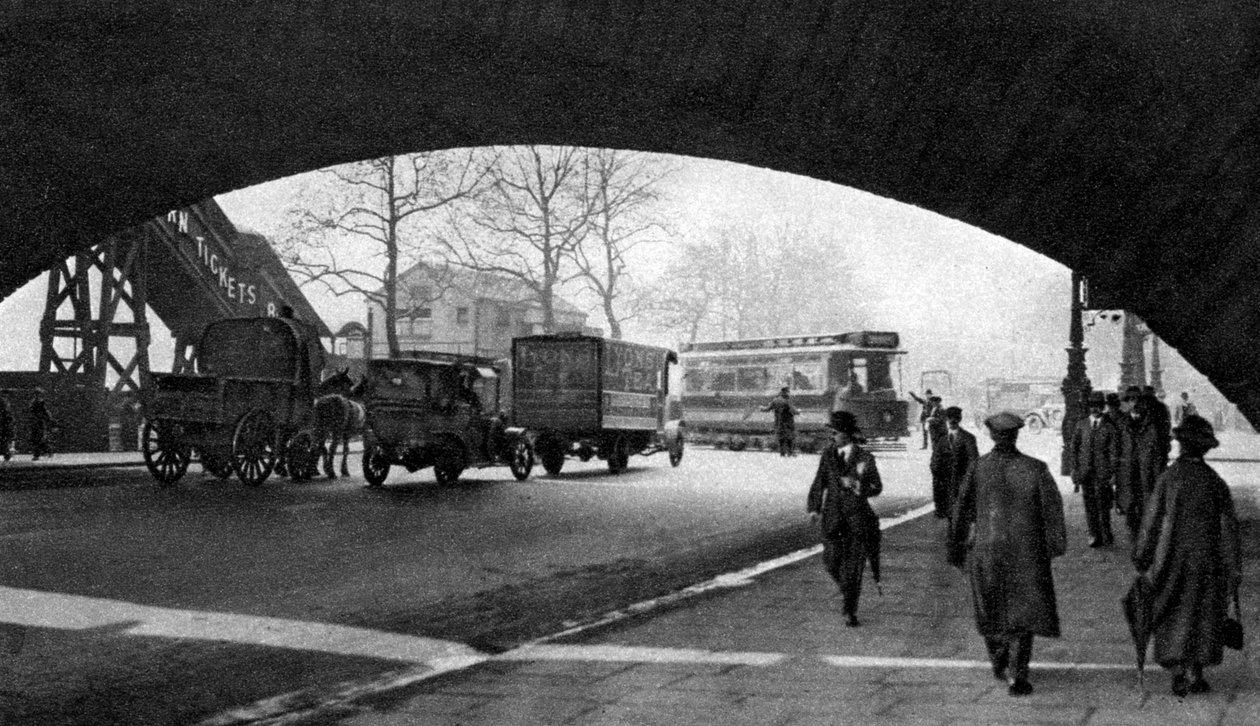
x=254, y=448
x=522, y=459
x=375, y=466
x=165, y=453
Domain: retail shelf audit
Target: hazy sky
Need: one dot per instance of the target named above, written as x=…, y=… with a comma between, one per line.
x=962, y=299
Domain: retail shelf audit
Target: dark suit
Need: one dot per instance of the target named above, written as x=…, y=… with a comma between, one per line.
x=1093, y=455
x=954, y=453
x=849, y=527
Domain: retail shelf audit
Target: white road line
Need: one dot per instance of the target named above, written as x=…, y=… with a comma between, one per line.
x=38, y=609
x=638, y=654
x=864, y=661
x=293, y=707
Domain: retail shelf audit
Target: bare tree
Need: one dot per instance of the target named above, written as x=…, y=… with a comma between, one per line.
x=624, y=186
x=745, y=283
x=535, y=212
x=371, y=210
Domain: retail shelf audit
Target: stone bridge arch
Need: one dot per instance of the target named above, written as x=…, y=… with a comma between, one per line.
x=1119, y=139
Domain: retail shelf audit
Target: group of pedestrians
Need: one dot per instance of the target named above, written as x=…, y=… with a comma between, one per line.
x=1006, y=524
x=41, y=424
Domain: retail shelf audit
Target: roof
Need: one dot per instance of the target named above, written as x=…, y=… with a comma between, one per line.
x=491, y=286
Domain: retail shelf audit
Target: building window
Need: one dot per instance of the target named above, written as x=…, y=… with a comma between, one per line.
x=461, y=316
x=416, y=323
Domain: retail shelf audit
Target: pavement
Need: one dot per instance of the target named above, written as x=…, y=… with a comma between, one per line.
x=770, y=648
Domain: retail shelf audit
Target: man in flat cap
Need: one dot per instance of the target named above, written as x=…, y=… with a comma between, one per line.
x=846, y=478
x=954, y=453
x=1007, y=527
x=1092, y=455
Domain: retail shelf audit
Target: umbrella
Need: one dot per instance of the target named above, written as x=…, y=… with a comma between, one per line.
x=873, y=537
x=1137, y=611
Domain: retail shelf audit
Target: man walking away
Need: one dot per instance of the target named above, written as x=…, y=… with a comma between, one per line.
x=41, y=426
x=1093, y=454
x=846, y=478
x=784, y=421
x=1007, y=526
x=951, y=458
x=1189, y=550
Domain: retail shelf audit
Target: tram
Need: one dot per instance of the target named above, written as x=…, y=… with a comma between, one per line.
x=726, y=383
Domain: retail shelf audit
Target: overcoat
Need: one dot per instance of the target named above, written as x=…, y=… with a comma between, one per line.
x=950, y=460
x=1007, y=526
x=845, y=511
x=1189, y=549
x=1142, y=459
x=1094, y=451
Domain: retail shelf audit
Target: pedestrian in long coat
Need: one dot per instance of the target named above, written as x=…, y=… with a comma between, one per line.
x=1143, y=457
x=1007, y=527
x=951, y=458
x=1092, y=455
x=1189, y=549
x=41, y=426
x=847, y=476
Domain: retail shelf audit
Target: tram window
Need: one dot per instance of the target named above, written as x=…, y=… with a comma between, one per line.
x=754, y=379
x=724, y=381
x=878, y=373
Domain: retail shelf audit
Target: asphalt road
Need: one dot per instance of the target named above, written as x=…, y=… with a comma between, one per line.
x=488, y=562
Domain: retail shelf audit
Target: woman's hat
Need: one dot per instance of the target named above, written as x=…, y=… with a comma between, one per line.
x=1196, y=431
x=844, y=422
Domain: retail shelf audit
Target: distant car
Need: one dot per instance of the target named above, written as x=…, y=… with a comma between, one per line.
x=1048, y=416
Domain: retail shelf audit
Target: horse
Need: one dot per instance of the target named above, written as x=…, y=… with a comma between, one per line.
x=338, y=416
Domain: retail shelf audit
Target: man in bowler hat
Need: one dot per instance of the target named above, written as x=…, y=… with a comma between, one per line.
x=955, y=451
x=1007, y=527
x=1093, y=454
x=846, y=478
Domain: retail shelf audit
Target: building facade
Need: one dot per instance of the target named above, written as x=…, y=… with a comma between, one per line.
x=467, y=312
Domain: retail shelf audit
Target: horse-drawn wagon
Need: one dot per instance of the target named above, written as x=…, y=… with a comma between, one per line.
x=438, y=410
x=245, y=410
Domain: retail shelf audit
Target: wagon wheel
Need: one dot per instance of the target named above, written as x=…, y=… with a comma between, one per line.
x=165, y=453
x=618, y=454
x=254, y=447
x=375, y=465
x=216, y=461
x=522, y=459
x=302, y=455
x=449, y=465
x=676, y=451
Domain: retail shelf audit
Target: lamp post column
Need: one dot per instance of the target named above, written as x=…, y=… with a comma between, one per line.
x=1076, y=385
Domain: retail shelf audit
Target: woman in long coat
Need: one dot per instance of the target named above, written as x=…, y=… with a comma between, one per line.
x=1007, y=527
x=1189, y=549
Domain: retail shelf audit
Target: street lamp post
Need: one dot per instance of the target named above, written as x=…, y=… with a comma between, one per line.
x=1076, y=385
